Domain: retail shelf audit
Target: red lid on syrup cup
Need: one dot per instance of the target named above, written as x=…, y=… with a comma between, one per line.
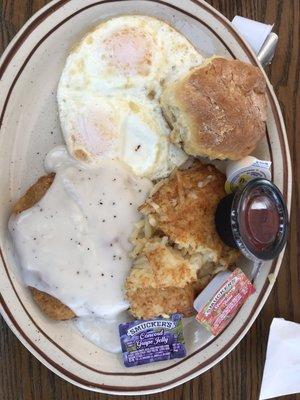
x=254, y=220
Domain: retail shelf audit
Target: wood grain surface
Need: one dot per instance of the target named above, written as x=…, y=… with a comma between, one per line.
x=238, y=376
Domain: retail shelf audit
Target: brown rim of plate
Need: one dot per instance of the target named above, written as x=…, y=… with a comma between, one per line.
x=15, y=47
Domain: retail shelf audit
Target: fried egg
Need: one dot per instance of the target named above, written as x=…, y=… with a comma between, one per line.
x=109, y=91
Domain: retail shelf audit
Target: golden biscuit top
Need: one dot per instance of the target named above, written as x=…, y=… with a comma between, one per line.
x=218, y=110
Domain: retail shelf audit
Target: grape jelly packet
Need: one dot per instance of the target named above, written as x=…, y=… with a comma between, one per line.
x=146, y=341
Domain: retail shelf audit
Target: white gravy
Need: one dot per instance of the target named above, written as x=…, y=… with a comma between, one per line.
x=73, y=244
x=103, y=332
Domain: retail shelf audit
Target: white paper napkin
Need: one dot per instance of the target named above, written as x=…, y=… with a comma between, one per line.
x=254, y=32
x=282, y=368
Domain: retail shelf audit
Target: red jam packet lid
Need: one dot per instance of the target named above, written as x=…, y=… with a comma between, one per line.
x=220, y=309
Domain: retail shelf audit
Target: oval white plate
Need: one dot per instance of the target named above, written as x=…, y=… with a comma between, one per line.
x=29, y=72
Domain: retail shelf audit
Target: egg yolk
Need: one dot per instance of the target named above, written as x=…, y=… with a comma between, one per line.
x=97, y=132
x=129, y=50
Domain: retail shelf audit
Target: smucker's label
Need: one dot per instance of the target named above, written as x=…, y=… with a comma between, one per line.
x=146, y=341
x=216, y=314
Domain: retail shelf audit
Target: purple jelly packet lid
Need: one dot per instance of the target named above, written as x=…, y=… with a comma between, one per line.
x=146, y=341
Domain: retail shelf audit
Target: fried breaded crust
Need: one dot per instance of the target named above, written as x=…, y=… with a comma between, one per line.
x=34, y=194
x=51, y=306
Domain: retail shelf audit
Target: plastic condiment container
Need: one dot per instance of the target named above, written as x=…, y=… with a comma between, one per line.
x=240, y=172
x=254, y=220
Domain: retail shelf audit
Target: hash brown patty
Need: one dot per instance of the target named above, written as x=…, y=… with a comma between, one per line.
x=177, y=250
x=184, y=207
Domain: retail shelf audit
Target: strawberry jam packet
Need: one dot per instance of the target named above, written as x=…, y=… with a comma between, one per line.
x=147, y=341
x=218, y=310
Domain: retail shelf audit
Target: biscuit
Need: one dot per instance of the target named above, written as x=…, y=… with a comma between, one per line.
x=218, y=110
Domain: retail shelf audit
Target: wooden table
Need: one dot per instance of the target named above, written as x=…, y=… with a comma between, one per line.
x=239, y=375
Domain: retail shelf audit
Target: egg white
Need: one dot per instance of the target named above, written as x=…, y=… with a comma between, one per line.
x=109, y=91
